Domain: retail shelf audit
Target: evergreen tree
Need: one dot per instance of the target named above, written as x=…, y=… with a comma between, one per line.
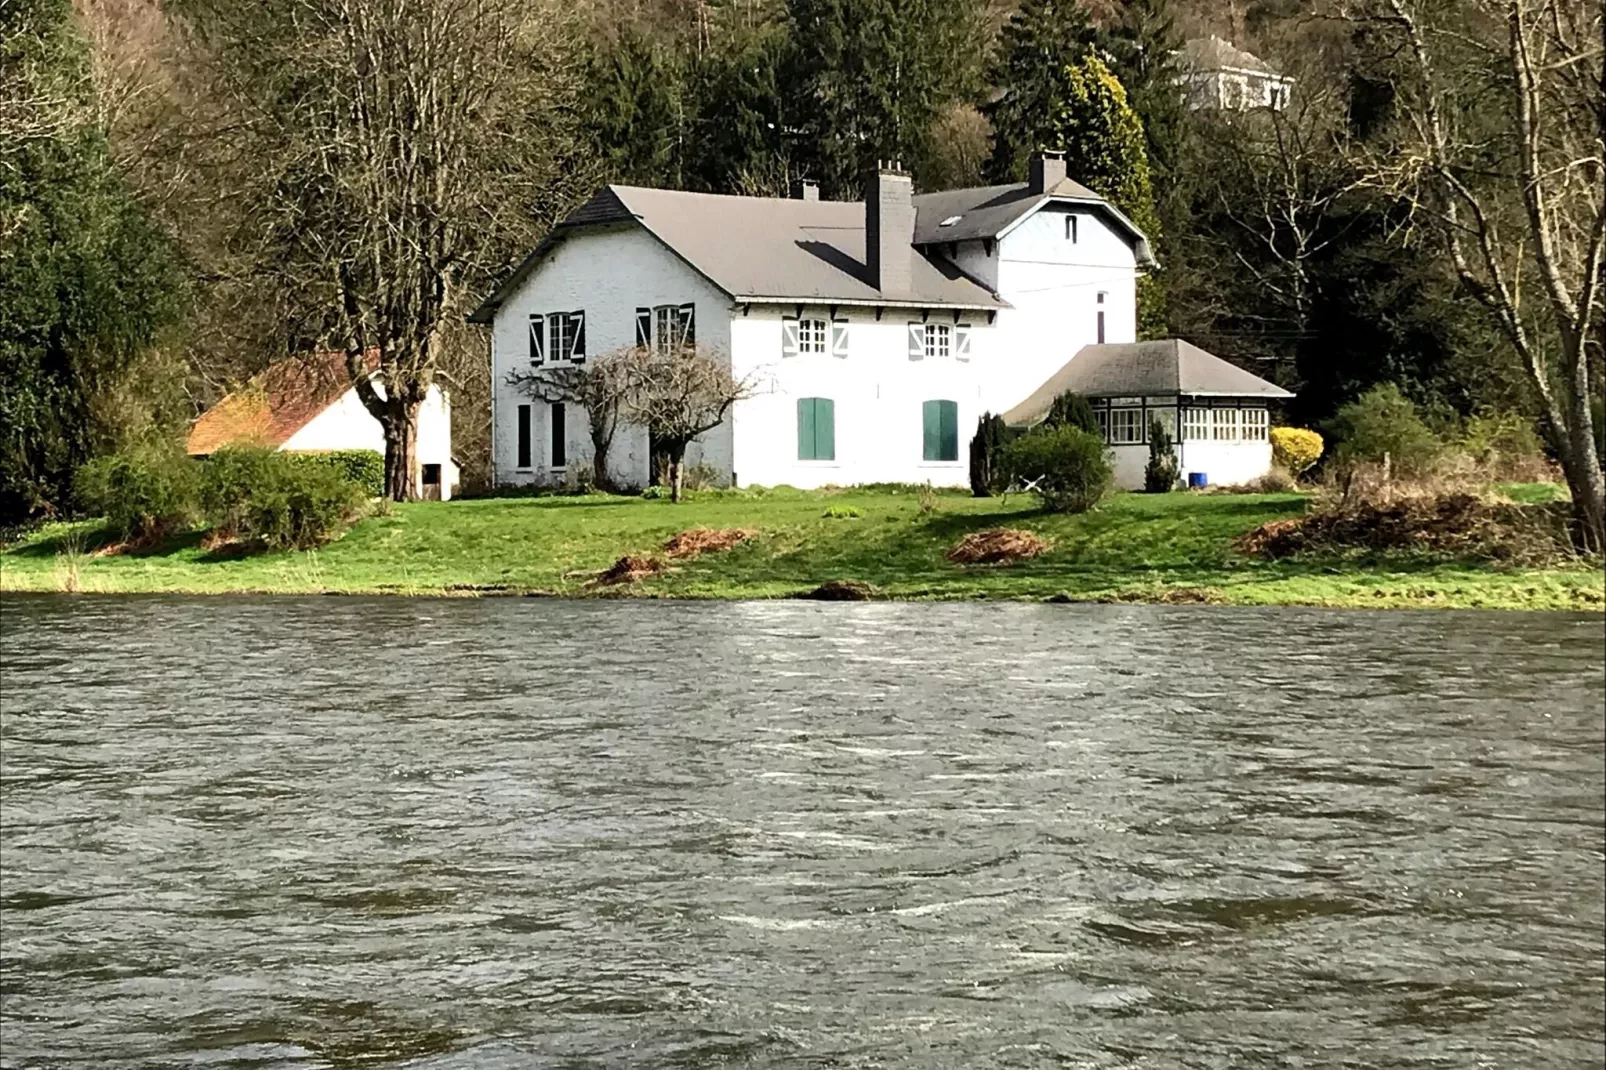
x=740, y=109
x=869, y=78
x=1071, y=409
x=1029, y=71
x=635, y=110
x=88, y=283
x=1142, y=45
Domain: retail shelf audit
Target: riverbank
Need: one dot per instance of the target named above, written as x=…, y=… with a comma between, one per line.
x=1133, y=547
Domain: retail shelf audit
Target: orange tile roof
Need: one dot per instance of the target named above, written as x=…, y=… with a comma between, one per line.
x=275, y=404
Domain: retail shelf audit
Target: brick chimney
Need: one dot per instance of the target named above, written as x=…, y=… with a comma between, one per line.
x=889, y=229
x=804, y=190
x=1048, y=170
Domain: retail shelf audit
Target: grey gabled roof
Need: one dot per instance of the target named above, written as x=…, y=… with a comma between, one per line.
x=761, y=249
x=990, y=211
x=1164, y=368
x=1217, y=54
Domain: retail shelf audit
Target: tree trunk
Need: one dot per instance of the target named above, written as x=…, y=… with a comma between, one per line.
x=599, y=462
x=1585, y=481
x=677, y=468
x=401, y=451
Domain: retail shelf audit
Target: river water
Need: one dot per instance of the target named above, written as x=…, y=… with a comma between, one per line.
x=329, y=832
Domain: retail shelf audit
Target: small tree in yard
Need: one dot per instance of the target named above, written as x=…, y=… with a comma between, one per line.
x=600, y=387
x=677, y=393
x=1162, y=472
x=1069, y=467
x=1073, y=410
x=987, y=474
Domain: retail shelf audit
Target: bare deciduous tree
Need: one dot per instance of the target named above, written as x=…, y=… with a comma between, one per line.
x=1503, y=110
x=404, y=144
x=600, y=387
x=676, y=394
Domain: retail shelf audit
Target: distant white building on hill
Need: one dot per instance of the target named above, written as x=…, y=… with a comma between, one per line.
x=878, y=332
x=1217, y=74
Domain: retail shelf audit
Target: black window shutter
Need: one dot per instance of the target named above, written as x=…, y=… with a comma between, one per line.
x=688, y=325
x=643, y=326
x=537, y=339
x=577, y=321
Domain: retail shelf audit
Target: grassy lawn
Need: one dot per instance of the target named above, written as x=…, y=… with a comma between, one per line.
x=1132, y=547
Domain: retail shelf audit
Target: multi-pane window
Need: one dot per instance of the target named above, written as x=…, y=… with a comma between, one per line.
x=1195, y=425
x=811, y=335
x=1126, y=427
x=940, y=431
x=816, y=429
x=1224, y=425
x=557, y=336
x=1255, y=423
x=666, y=327
x=939, y=339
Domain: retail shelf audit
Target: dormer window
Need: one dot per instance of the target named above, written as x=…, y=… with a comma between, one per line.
x=1070, y=229
x=950, y=221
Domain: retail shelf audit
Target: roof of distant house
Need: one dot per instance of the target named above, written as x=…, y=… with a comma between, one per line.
x=786, y=249
x=1163, y=368
x=275, y=404
x=1218, y=54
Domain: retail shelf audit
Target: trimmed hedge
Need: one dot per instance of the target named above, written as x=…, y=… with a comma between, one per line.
x=280, y=501
x=144, y=493
x=366, y=468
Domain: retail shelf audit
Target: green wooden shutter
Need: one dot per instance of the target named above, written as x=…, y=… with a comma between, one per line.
x=948, y=413
x=931, y=428
x=824, y=429
x=805, y=429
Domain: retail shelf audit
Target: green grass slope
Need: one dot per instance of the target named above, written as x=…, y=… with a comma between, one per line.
x=1134, y=547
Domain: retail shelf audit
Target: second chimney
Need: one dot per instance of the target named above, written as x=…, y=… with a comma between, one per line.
x=804, y=190
x=1047, y=170
x=889, y=229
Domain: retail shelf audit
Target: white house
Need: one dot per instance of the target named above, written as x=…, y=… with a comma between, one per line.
x=310, y=406
x=1218, y=74
x=877, y=332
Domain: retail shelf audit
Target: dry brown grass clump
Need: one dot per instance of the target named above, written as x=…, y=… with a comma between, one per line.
x=696, y=541
x=629, y=569
x=1449, y=525
x=997, y=546
x=840, y=591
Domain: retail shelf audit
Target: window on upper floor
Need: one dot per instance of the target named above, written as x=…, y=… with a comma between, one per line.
x=557, y=336
x=1070, y=229
x=666, y=327
x=935, y=340
x=812, y=335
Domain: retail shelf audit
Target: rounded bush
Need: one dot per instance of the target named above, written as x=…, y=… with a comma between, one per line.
x=1295, y=449
x=1069, y=467
x=1384, y=423
x=278, y=501
x=144, y=493
x=230, y=480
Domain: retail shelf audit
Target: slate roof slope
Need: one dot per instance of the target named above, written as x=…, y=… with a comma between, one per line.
x=1164, y=368
x=761, y=248
x=1216, y=54
x=274, y=405
x=990, y=211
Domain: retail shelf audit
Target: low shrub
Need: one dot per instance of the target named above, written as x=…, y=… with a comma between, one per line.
x=277, y=501
x=1383, y=426
x=366, y=468
x=144, y=493
x=841, y=512
x=1069, y=467
x=1505, y=446
x=1295, y=449
x=300, y=507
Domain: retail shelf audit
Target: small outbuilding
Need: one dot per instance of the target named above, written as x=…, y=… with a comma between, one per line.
x=1215, y=411
x=309, y=405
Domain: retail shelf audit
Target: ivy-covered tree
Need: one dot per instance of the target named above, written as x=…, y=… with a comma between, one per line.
x=870, y=78
x=1029, y=73
x=1141, y=44
x=88, y=283
x=1106, y=152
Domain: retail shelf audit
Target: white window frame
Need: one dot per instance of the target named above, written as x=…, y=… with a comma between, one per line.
x=1225, y=425
x=1195, y=424
x=812, y=335
x=939, y=340
x=1255, y=424
x=1126, y=427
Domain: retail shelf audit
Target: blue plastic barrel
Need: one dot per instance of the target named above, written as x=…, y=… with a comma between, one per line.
x=1197, y=480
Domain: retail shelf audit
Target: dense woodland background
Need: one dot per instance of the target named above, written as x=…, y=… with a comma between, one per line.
x=183, y=184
